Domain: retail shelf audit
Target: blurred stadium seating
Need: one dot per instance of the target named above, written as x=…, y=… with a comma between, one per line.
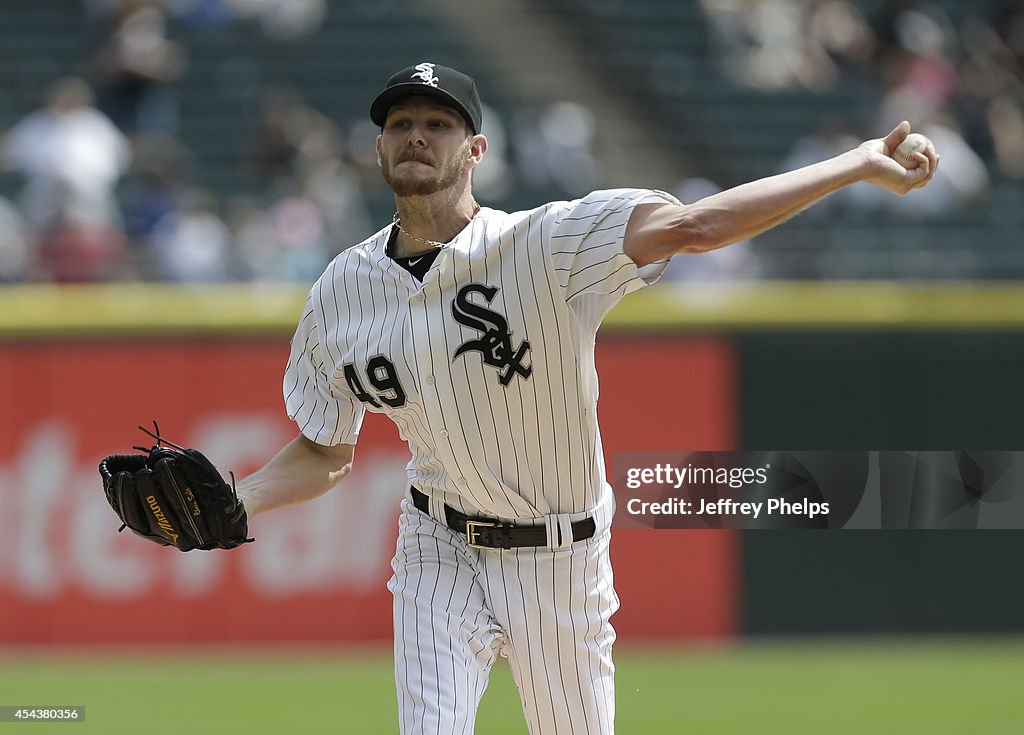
x=676, y=61
x=670, y=56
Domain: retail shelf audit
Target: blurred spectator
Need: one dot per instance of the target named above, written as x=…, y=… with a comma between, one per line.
x=554, y=148
x=290, y=134
x=283, y=20
x=362, y=155
x=201, y=15
x=299, y=150
x=287, y=242
x=492, y=179
x=14, y=252
x=71, y=156
x=784, y=44
x=990, y=104
x=134, y=67
x=154, y=188
x=330, y=184
x=918, y=86
x=300, y=231
x=255, y=241
x=1005, y=117
x=912, y=26
x=941, y=78
x=842, y=30
x=969, y=72
x=192, y=244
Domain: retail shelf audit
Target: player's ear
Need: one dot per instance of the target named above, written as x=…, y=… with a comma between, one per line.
x=380, y=163
x=477, y=148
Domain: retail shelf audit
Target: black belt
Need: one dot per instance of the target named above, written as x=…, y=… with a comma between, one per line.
x=488, y=533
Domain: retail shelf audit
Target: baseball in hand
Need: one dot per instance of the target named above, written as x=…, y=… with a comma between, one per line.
x=904, y=153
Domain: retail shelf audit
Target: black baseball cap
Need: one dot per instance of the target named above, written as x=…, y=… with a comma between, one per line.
x=450, y=86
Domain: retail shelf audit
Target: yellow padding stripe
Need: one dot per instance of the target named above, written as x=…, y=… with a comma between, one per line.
x=47, y=311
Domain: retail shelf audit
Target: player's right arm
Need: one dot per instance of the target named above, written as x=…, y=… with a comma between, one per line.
x=657, y=232
x=301, y=471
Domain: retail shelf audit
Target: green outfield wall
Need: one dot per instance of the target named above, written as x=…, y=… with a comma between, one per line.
x=946, y=388
x=899, y=389
x=898, y=582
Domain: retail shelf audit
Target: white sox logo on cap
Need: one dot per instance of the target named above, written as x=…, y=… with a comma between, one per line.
x=450, y=86
x=425, y=71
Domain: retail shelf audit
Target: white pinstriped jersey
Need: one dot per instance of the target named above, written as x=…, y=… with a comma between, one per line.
x=487, y=366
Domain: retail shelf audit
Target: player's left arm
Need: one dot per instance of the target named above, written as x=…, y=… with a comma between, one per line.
x=658, y=231
x=301, y=471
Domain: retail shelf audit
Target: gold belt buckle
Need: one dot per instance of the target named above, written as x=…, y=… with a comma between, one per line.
x=472, y=534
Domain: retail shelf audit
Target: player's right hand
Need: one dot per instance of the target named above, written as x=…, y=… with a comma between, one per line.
x=889, y=174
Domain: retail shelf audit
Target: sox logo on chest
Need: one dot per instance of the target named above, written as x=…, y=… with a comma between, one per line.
x=495, y=346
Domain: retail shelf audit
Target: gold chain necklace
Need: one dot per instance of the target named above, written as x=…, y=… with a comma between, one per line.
x=397, y=222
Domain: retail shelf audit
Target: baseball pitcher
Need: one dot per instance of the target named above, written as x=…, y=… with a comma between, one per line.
x=473, y=330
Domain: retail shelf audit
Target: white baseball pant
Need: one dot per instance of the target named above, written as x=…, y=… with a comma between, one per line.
x=457, y=607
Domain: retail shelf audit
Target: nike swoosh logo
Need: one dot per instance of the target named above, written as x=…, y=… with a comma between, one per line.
x=414, y=261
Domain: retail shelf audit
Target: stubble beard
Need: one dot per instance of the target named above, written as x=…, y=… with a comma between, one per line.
x=409, y=186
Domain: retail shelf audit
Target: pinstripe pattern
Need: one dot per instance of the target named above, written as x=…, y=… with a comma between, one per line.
x=487, y=369
x=458, y=608
x=558, y=270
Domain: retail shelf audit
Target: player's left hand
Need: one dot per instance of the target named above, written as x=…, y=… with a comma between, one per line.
x=889, y=174
x=174, y=496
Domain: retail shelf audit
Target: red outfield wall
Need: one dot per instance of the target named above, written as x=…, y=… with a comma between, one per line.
x=317, y=571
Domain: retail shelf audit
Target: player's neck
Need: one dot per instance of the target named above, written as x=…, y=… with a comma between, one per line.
x=427, y=222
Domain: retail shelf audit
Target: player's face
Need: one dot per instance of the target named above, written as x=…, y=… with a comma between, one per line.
x=424, y=147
